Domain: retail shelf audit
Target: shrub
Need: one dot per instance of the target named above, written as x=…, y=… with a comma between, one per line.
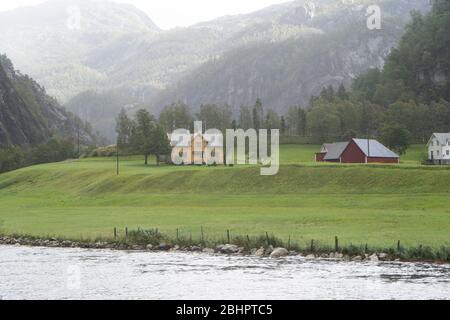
x=11, y=159
x=109, y=151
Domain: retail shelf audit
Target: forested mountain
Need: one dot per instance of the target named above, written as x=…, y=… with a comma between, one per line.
x=28, y=116
x=419, y=67
x=409, y=97
x=332, y=48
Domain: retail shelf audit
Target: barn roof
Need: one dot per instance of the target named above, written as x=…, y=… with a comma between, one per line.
x=325, y=147
x=335, y=150
x=373, y=148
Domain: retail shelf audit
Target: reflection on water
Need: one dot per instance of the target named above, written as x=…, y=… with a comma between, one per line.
x=55, y=273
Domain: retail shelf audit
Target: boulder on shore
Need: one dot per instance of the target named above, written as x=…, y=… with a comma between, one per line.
x=163, y=246
x=208, y=251
x=228, y=249
x=269, y=250
x=279, y=252
x=383, y=256
x=260, y=252
x=374, y=258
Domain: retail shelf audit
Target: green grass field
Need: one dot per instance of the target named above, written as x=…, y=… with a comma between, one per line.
x=375, y=204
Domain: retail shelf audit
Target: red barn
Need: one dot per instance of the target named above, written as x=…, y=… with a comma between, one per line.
x=323, y=152
x=357, y=151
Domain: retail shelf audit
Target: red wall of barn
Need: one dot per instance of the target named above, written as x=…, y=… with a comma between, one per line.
x=382, y=160
x=320, y=156
x=353, y=154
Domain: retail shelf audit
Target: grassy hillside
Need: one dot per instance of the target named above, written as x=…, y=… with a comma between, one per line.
x=378, y=204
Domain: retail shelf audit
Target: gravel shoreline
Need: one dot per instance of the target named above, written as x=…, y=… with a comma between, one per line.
x=225, y=249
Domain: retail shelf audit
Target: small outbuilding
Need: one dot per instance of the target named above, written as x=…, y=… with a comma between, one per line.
x=357, y=151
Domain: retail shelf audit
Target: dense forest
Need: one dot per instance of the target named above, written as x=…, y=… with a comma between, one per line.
x=410, y=93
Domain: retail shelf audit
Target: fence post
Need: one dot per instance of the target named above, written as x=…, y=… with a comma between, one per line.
x=228, y=236
x=336, y=244
x=115, y=233
x=203, y=239
x=312, y=245
x=267, y=238
x=398, y=245
x=289, y=243
x=126, y=232
x=177, y=236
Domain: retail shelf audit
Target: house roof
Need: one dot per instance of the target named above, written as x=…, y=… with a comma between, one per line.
x=373, y=148
x=215, y=140
x=335, y=150
x=325, y=147
x=179, y=140
x=442, y=137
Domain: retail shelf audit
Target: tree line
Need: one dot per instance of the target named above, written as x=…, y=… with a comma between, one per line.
x=56, y=149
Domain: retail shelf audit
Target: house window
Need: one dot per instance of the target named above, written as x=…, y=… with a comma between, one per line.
x=432, y=143
x=437, y=143
x=437, y=153
x=448, y=152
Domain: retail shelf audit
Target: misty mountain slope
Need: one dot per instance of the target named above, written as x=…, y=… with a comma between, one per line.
x=159, y=60
x=280, y=54
x=46, y=41
x=100, y=108
x=335, y=47
x=28, y=116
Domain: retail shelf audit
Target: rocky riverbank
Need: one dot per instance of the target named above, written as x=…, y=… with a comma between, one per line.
x=225, y=249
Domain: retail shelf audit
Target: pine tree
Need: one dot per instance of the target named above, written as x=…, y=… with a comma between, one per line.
x=160, y=144
x=123, y=129
x=143, y=127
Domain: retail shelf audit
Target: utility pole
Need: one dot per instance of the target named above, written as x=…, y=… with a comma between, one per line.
x=368, y=138
x=117, y=155
x=78, y=139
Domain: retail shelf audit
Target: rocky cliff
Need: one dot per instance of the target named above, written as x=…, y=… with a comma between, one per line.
x=28, y=116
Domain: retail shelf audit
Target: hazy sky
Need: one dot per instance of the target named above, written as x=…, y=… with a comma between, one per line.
x=172, y=13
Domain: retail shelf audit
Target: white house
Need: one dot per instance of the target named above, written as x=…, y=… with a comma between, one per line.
x=439, y=148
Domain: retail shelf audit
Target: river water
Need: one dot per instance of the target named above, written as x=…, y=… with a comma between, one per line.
x=57, y=273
